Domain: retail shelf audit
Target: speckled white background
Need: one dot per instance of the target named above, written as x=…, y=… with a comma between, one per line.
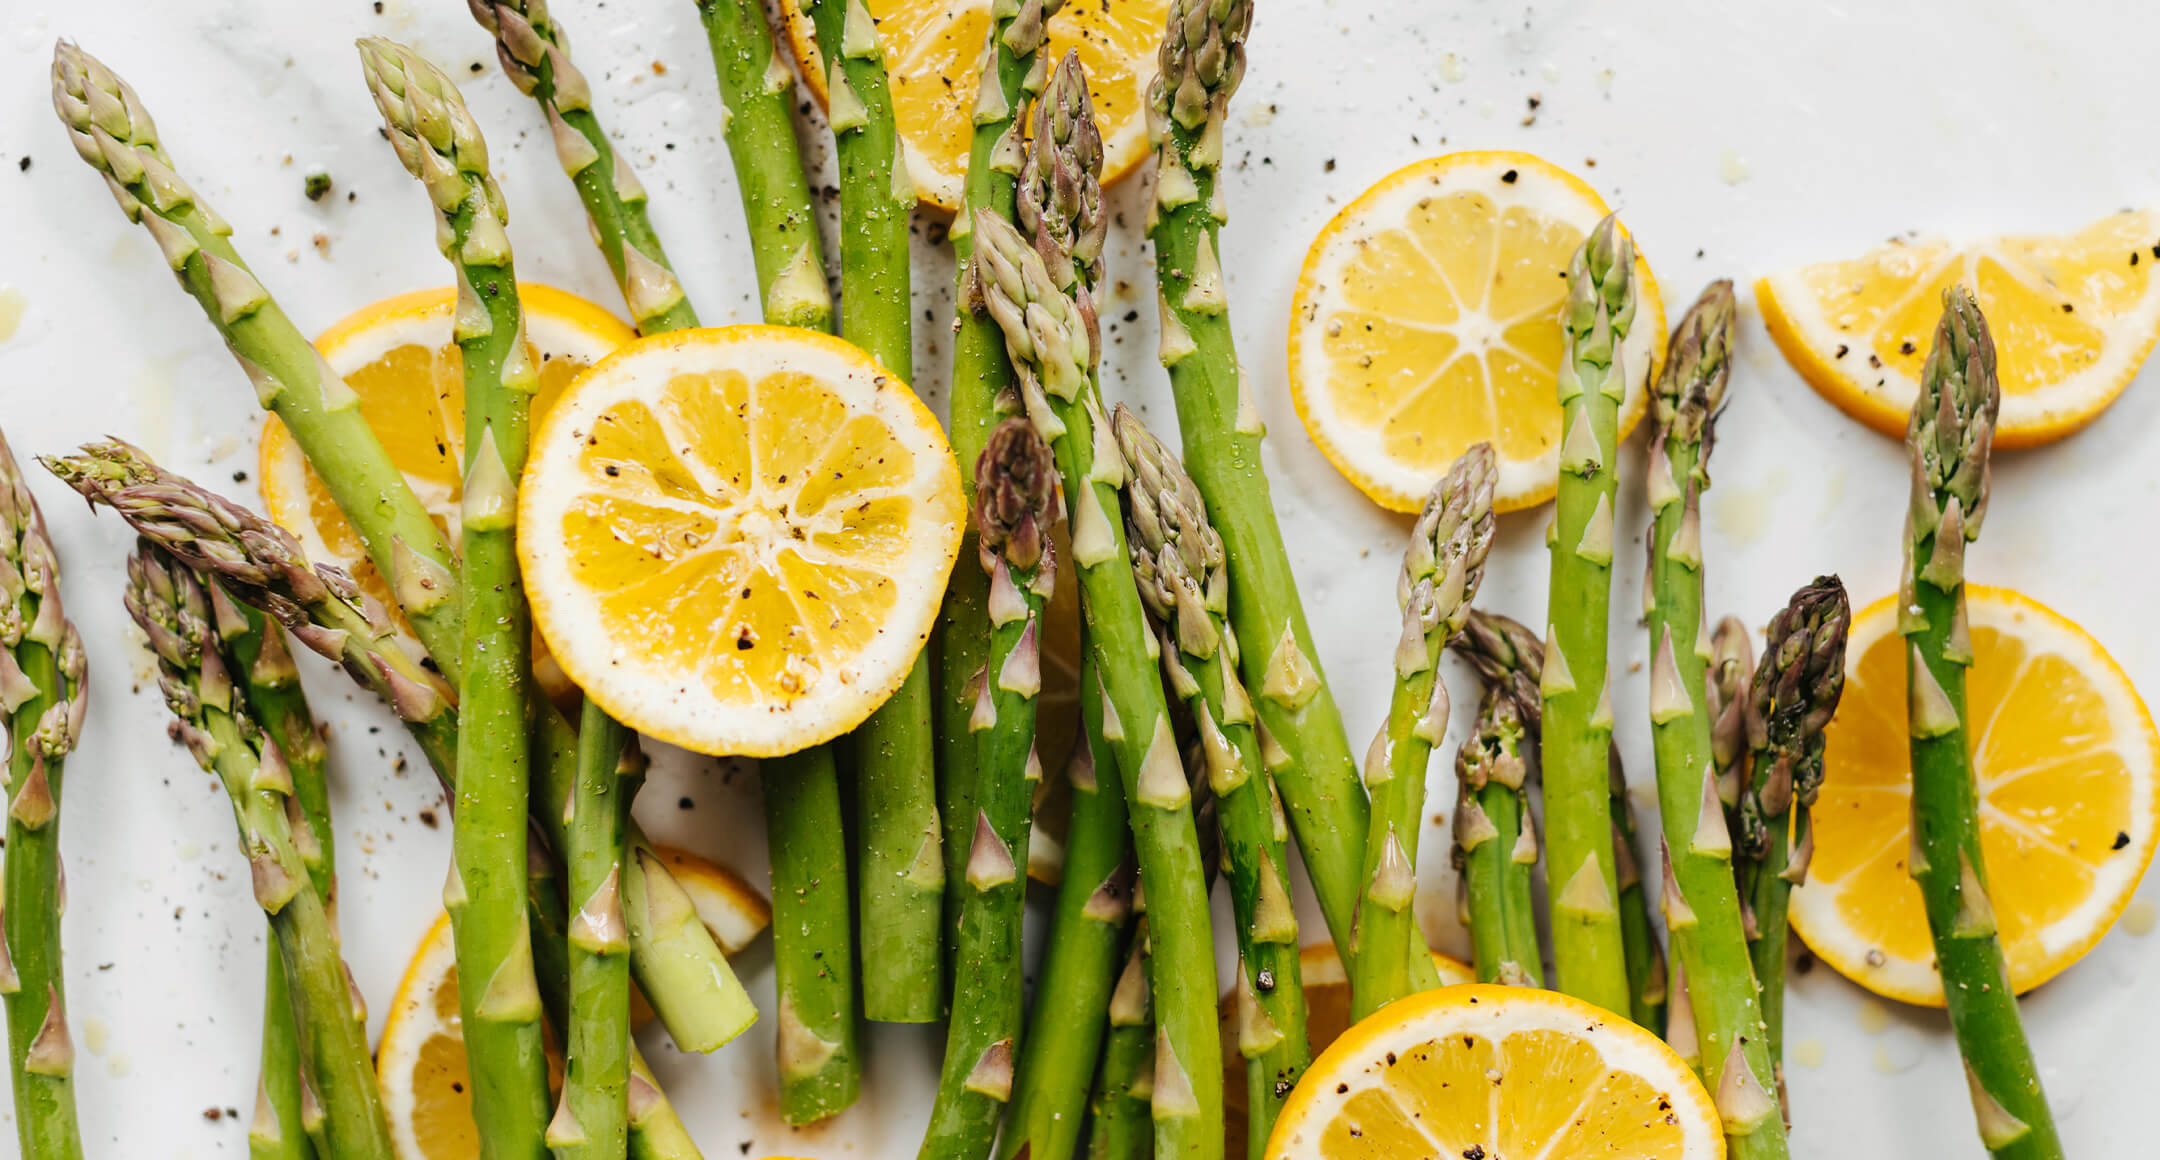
x=1736, y=139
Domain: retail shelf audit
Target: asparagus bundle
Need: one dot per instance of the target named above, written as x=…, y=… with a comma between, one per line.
x=1702, y=906
x=1589, y=951
x=1496, y=845
x=42, y=692
x=1440, y=575
x=1178, y=560
x=981, y=374
x=1041, y=292
x=1793, y=696
x=439, y=143
x=261, y=564
x=530, y=45
x=756, y=90
x=677, y=964
x=1510, y=658
x=167, y=600
x=1950, y=434
x=1015, y=498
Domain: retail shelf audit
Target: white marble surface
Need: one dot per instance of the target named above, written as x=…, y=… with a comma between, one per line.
x=1735, y=138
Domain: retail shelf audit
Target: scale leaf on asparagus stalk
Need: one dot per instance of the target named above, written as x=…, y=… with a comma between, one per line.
x=1948, y=439
x=1178, y=561
x=439, y=143
x=1041, y=292
x=529, y=43
x=1441, y=570
x=167, y=600
x=1789, y=701
x=42, y=692
x=1015, y=503
x=1701, y=899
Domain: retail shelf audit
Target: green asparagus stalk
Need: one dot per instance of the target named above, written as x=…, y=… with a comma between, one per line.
x=1178, y=561
x=1041, y=293
x=1509, y=657
x=901, y=858
x=981, y=373
x=1583, y=881
x=1440, y=574
x=813, y=941
x=1702, y=906
x=1015, y=496
x=592, y=1121
x=1726, y=696
x=1495, y=845
x=270, y=684
x=1949, y=437
x=1794, y=695
x=42, y=692
x=114, y=134
x=1088, y=928
x=165, y=598
x=530, y=45
x=439, y=143
x=756, y=92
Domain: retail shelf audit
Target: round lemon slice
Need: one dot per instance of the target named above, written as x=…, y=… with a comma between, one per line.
x=2064, y=759
x=933, y=61
x=735, y=539
x=399, y=358
x=1427, y=319
x=1482, y=1070
x=2073, y=316
x=420, y=1064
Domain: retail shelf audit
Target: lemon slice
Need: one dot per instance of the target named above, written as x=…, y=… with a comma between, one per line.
x=420, y=1064
x=398, y=357
x=1327, y=1016
x=735, y=539
x=2073, y=316
x=1493, y=1071
x=933, y=59
x=1427, y=319
x=2064, y=759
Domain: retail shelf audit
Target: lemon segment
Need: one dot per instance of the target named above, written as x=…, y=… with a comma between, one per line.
x=2064, y=756
x=735, y=539
x=2073, y=316
x=1427, y=319
x=933, y=61
x=1480, y=1070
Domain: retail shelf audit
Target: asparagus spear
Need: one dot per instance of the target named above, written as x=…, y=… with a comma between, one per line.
x=1495, y=845
x=530, y=45
x=439, y=143
x=165, y=598
x=1726, y=697
x=1015, y=493
x=1794, y=695
x=264, y=673
x=1949, y=437
x=1440, y=575
x=756, y=90
x=677, y=964
x=1064, y=1036
x=42, y=670
x=114, y=134
x=1588, y=949
x=1041, y=293
x=1510, y=657
x=900, y=847
x=593, y=1120
x=813, y=942
x=981, y=374
x=1178, y=561
x=1702, y=906
x=261, y=565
